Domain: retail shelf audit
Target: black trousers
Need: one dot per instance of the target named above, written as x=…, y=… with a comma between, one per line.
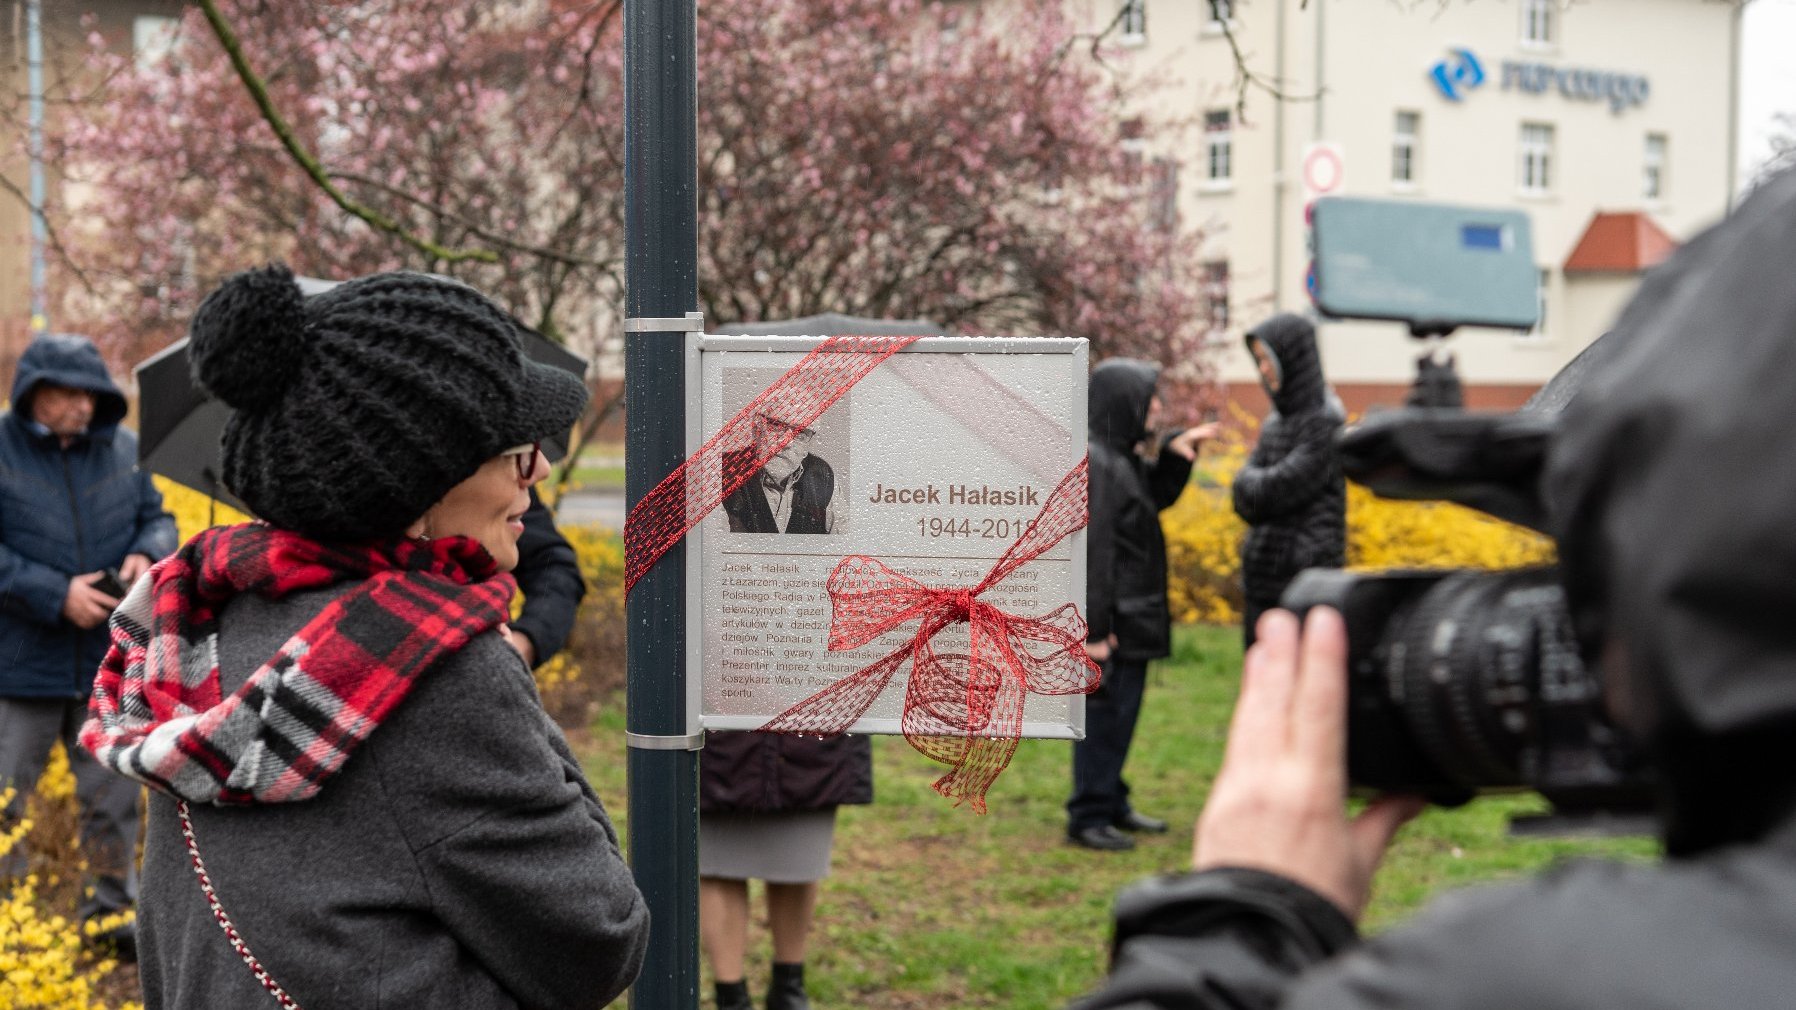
x=1100, y=796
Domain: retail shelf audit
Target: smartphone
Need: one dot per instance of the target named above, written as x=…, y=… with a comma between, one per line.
x=110, y=584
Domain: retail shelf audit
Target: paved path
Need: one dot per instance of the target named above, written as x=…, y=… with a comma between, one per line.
x=593, y=508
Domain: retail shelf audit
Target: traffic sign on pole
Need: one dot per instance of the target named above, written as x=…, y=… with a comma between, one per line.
x=1323, y=170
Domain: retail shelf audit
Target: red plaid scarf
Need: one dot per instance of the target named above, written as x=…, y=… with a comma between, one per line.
x=158, y=714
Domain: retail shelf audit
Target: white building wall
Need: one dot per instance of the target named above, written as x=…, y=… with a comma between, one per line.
x=1374, y=59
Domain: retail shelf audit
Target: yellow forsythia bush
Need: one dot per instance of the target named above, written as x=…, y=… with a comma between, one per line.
x=1203, y=538
x=43, y=965
x=194, y=511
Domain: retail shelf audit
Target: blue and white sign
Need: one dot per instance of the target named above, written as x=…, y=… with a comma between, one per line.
x=1461, y=72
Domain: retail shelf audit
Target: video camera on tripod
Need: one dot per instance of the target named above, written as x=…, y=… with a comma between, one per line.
x=1461, y=682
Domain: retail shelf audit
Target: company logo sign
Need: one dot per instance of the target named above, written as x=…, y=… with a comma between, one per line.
x=1459, y=73
x=1621, y=91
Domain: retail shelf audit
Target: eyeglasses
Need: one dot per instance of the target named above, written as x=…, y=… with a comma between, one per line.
x=800, y=436
x=523, y=457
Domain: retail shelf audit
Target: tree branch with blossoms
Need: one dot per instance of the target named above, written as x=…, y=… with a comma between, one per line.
x=258, y=92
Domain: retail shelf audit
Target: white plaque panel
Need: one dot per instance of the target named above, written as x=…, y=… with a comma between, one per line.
x=939, y=458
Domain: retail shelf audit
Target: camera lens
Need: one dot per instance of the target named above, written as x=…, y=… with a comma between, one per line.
x=1478, y=665
x=1465, y=682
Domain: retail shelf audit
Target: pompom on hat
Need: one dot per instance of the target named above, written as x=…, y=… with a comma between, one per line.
x=355, y=410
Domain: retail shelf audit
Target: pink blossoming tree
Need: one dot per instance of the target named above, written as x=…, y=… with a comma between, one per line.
x=895, y=158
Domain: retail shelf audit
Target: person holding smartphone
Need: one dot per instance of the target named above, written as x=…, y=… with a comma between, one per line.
x=78, y=525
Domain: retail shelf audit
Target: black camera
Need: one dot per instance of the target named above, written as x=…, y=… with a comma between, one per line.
x=1463, y=681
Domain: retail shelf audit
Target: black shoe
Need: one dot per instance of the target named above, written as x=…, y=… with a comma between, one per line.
x=119, y=943
x=733, y=996
x=1104, y=838
x=786, y=990
x=1135, y=820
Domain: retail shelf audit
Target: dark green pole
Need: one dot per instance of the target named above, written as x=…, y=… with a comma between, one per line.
x=661, y=287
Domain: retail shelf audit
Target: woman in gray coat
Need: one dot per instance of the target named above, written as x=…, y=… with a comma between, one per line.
x=357, y=798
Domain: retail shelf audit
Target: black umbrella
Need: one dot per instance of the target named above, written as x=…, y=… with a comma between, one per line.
x=833, y=324
x=180, y=427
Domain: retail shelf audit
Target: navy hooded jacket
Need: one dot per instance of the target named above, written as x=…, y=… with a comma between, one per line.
x=65, y=512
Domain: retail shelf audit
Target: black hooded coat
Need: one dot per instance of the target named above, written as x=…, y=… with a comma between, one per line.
x=1291, y=492
x=1125, y=575
x=1670, y=488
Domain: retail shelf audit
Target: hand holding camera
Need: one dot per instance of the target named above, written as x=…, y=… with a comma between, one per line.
x=1279, y=802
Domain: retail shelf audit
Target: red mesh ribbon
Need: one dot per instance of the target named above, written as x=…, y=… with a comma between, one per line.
x=961, y=709
x=743, y=445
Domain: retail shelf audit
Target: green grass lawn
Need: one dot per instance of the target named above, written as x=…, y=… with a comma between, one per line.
x=593, y=476
x=930, y=906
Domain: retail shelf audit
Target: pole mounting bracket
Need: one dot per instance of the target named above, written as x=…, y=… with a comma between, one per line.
x=677, y=741
x=691, y=322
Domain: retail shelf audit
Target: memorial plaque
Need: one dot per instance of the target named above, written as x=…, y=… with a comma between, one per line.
x=934, y=464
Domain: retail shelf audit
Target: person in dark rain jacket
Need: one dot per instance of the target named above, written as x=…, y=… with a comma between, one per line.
x=1668, y=489
x=1290, y=492
x=72, y=504
x=1130, y=622
x=548, y=575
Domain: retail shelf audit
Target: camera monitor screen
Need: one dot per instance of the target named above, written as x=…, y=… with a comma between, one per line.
x=1427, y=264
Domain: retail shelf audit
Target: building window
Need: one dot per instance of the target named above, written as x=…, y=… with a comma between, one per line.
x=1538, y=28
x=1134, y=153
x=1221, y=12
x=1216, y=297
x=1654, y=183
x=1218, y=147
x=154, y=38
x=1133, y=20
x=1163, y=191
x=1537, y=159
x=1404, y=132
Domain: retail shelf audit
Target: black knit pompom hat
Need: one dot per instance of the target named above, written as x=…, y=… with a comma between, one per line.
x=355, y=410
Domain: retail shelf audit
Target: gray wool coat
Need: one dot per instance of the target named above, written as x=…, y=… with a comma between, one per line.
x=458, y=859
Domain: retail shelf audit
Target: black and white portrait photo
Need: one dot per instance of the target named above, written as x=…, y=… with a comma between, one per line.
x=801, y=486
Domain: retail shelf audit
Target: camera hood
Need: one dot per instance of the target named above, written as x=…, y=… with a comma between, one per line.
x=1489, y=462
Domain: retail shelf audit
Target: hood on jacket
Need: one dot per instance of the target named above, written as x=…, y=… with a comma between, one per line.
x=1671, y=490
x=1121, y=391
x=64, y=359
x=1292, y=341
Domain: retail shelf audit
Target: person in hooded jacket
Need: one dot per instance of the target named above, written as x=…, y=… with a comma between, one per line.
x=1129, y=620
x=1290, y=492
x=72, y=505
x=350, y=769
x=548, y=575
x=1668, y=488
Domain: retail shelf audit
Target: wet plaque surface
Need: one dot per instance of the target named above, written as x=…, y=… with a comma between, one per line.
x=934, y=464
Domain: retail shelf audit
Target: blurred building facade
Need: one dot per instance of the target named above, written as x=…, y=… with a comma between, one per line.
x=1610, y=122
x=65, y=26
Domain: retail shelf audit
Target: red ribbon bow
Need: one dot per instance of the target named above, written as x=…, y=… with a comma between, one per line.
x=964, y=710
